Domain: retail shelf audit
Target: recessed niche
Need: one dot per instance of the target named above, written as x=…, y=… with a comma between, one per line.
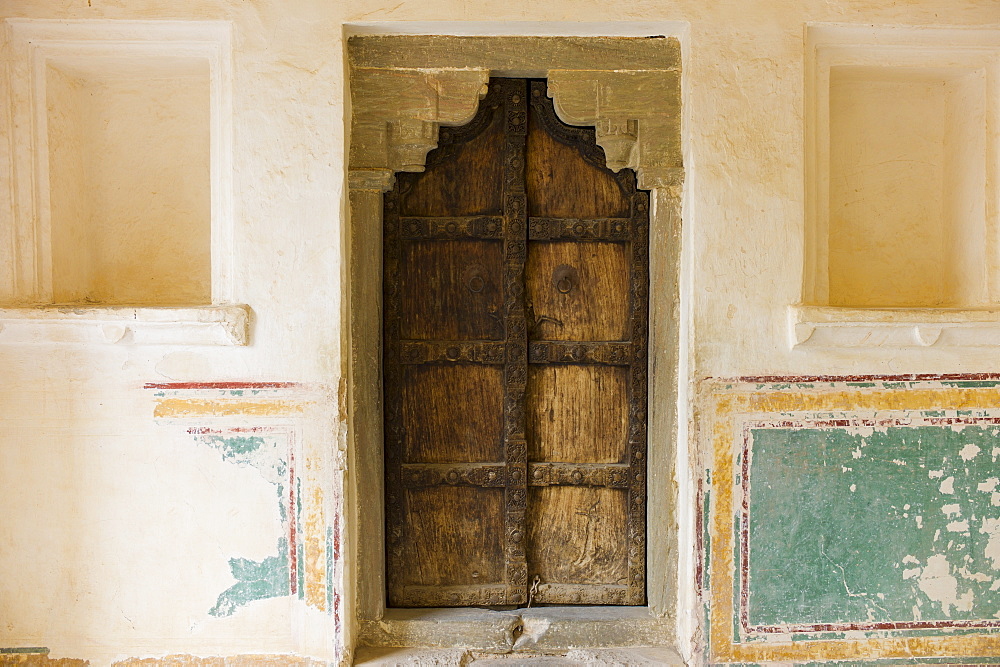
x=902, y=172
x=121, y=138
x=907, y=187
x=129, y=165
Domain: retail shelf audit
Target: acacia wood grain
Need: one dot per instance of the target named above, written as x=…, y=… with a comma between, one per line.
x=514, y=357
x=456, y=536
x=452, y=413
x=577, y=535
x=577, y=413
x=578, y=290
x=562, y=184
x=451, y=290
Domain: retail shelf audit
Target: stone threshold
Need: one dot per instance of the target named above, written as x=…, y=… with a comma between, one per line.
x=386, y=657
x=545, y=630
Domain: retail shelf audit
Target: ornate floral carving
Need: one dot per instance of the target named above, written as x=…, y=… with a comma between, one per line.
x=614, y=476
x=477, y=352
x=589, y=229
x=469, y=474
x=472, y=227
x=566, y=352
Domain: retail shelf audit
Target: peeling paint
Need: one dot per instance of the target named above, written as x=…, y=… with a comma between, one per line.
x=183, y=407
x=255, y=580
x=36, y=655
x=876, y=517
x=307, y=559
x=252, y=660
x=266, y=455
x=969, y=452
x=269, y=452
x=991, y=527
x=792, y=458
x=948, y=485
x=937, y=583
x=958, y=527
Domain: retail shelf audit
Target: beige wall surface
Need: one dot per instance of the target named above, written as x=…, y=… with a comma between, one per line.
x=130, y=475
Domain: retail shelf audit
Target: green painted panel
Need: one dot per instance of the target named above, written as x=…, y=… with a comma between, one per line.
x=885, y=524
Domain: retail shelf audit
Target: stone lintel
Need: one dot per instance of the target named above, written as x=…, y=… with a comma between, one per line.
x=514, y=55
x=404, y=87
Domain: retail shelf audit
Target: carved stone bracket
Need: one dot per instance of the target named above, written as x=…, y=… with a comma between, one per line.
x=618, y=137
x=396, y=115
x=371, y=179
x=636, y=114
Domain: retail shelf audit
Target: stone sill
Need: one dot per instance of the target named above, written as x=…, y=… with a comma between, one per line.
x=395, y=657
x=126, y=325
x=542, y=629
x=832, y=326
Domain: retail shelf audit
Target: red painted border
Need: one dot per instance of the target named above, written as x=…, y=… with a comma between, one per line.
x=293, y=518
x=912, y=377
x=744, y=611
x=699, y=539
x=208, y=430
x=219, y=385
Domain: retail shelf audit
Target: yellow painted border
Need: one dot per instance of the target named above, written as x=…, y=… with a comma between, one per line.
x=314, y=525
x=199, y=407
x=727, y=404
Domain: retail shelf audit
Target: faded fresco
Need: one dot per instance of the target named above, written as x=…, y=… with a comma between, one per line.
x=852, y=520
x=271, y=435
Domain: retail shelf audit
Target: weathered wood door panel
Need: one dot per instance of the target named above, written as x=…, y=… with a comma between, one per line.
x=572, y=415
x=448, y=296
x=578, y=290
x=514, y=356
x=577, y=545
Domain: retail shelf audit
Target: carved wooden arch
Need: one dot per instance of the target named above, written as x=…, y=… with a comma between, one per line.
x=403, y=88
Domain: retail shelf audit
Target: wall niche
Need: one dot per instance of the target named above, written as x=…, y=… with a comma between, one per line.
x=121, y=143
x=901, y=187
x=907, y=187
x=129, y=194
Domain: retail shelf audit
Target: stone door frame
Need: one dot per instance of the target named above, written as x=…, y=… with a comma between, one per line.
x=402, y=89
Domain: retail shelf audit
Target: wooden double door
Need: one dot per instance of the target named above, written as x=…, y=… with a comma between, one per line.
x=515, y=370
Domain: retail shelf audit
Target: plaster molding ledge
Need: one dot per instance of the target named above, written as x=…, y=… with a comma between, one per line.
x=832, y=326
x=197, y=325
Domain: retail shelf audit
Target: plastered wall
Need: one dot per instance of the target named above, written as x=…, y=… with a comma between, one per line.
x=188, y=500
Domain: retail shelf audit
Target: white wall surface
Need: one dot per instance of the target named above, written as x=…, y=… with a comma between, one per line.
x=116, y=529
